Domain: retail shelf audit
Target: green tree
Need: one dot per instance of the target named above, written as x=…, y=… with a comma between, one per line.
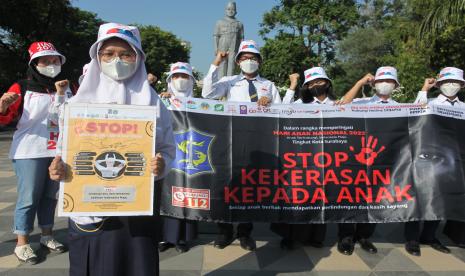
x=22, y=22
x=162, y=49
x=440, y=15
x=72, y=31
x=364, y=48
x=305, y=33
x=283, y=55
x=387, y=36
x=361, y=52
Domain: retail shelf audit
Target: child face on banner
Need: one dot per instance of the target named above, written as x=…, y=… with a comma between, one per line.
x=433, y=160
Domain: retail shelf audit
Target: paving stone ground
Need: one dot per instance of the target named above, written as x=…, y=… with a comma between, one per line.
x=268, y=259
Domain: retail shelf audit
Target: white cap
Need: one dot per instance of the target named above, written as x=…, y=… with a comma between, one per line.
x=315, y=73
x=42, y=48
x=248, y=46
x=451, y=73
x=180, y=67
x=387, y=73
x=130, y=34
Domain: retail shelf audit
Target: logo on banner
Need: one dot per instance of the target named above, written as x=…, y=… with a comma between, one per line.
x=219, y=107
x=191, y=105
x=176, y=102
x=204, y=106
x=368, y=152
x=193, y=152
x=232, y=109
x=166, y=101
x=243, y=109
x=190, y=198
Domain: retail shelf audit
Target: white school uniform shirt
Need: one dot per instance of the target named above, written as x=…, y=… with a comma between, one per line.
x=36, y=133
x=326, y=101
x=373, y=100
x=422, y=98
x=289, y=97
x=236, y=88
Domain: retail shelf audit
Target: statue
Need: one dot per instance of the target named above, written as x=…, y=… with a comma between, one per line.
x=229, y=32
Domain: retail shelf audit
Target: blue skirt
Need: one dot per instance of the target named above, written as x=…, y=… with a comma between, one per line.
x=118, y=246
x=175, y=230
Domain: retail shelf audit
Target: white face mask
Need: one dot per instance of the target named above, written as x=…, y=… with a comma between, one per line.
x=50, y=71
x=249, y=66
x=384, y=88
x=450, y=89
x=118, y=69
x=182, y=84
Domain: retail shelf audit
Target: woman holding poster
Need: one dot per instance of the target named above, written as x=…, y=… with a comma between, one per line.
x=119, y=245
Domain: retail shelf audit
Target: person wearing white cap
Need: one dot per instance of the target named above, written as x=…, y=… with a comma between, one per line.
x=449, y=82
x=385, y=82
x=119, y=245
x=178, y=232
x=33, y=147
x=245, y=87
x=316, y=89
x=180, y=81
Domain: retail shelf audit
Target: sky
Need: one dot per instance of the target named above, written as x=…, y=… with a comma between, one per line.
x=189, y=20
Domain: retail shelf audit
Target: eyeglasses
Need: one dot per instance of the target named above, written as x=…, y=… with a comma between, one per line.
x=124, y=56
x=254, y=58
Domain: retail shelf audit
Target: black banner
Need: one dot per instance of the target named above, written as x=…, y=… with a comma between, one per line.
x=239, y=163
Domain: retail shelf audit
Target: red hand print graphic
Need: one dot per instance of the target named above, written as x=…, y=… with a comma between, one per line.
x=367, y=154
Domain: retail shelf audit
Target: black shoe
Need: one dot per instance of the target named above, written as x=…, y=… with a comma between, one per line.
x=461, y=245
x=413, y=248
x=368, y=246
x=346, y=246
x=163, y=246
x=223, y=241
x=287, y=244
x=437, y=245
x=247, y=243
x=316, y=244
x=182, y=247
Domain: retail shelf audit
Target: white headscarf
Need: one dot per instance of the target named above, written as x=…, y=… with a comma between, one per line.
x=96, y=87
x=178, y=94
x=184, y=68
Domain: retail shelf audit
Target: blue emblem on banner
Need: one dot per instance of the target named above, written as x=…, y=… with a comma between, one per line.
x=193, y=152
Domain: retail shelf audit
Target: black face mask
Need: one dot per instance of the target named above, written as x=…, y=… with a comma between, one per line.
x=305, y=95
